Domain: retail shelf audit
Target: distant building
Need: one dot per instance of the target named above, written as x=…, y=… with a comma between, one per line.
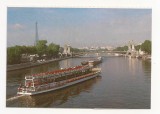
x=110, y=48
x=67, y=50
x=141, y=52
x=92, y=48
x=102, y=47
x=131, y=49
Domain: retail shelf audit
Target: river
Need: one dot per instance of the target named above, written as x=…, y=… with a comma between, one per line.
x=124, y=83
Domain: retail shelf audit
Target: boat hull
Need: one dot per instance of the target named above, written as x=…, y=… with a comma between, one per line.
x=60, y=87
x=84, y=63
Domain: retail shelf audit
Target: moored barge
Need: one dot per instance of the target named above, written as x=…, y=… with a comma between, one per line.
x=92, y=62
x=54, y=80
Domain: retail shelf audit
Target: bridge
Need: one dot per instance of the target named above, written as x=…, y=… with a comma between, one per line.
x=131, y=52
x=98, y=52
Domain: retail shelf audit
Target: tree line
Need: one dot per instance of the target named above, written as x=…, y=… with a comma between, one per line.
x=145, y=46
x=14, y=53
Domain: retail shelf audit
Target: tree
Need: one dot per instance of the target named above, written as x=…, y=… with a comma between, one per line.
x=75, y=50
x=41, y=47
x=31, y=50
x=53, y=50
x=124, y=48
x=137, y=47
x=14, y=55
x=146, y=46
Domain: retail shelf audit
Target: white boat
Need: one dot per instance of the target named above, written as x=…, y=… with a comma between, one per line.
x=117, y=54
x=50, y=81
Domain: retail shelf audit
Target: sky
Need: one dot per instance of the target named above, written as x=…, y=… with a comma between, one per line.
x=78, y=27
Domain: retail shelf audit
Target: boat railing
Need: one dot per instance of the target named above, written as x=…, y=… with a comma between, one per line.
x=61, y=82
x=25, y=90
x=28, y=77
x=96, y=69
x=58, y=84
x=55, y=84
x=58, y=74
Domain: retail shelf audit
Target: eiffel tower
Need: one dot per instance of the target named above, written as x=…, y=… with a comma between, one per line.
x=36, y=36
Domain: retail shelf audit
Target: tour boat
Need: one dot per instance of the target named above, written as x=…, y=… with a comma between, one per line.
x=57, y=79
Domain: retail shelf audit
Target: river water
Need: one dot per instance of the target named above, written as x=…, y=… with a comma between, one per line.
x=124, y=83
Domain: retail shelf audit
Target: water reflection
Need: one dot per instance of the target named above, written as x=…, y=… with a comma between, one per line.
x=66, y=63
x=132, y=65
x=55, y=98
x=146, y=66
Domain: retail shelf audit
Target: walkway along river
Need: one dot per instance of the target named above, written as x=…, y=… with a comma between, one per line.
x=124, y=83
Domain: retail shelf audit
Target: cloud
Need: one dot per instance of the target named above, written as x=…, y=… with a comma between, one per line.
x=16, y=26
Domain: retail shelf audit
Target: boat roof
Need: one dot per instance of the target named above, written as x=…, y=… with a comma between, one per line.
x=59, y=71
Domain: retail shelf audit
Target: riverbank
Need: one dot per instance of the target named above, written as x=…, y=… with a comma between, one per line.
x=143, y=57
x=31, y=64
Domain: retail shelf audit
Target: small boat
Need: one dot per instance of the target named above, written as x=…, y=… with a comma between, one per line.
x=57, y=79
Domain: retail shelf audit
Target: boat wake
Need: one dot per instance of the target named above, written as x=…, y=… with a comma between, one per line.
x=14, y=98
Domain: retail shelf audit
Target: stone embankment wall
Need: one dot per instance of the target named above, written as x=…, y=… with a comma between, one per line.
x=31, y=64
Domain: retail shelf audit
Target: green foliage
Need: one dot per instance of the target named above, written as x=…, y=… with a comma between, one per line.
x=31, y=50
x=146, y=46
x=137, y=47
x=41, y=47
x=76, y=50
x=28, y=49
x=53, y=50
x=14, y=53
x=124, y=48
